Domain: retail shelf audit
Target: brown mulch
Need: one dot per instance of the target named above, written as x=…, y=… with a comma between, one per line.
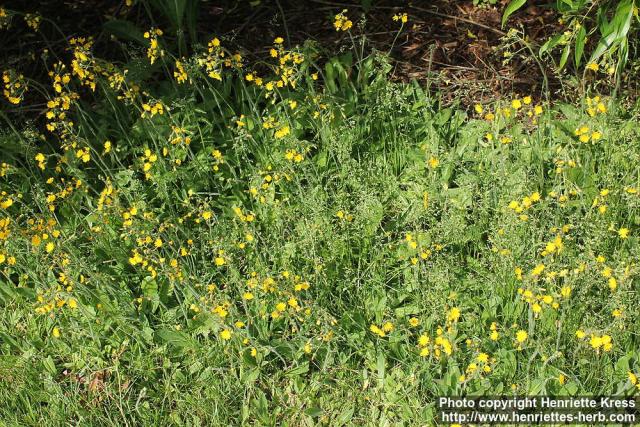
x=452, y=45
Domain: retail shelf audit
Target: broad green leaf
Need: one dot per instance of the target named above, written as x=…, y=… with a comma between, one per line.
x=565, y=56
x=512, y=7
x=175, y=338
x=580, y=41
x=345, y=416
x=125, y=30
x=314, y=411
x=550, y=44
x=618, y=29
x=298, y=370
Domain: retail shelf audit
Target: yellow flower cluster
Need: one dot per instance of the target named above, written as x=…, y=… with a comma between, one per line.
x=517, y=105
x=216, y=58
x=59, y=106
x=153, y=51
x=595, y=106
x=83, y=65
x=5, y=19
x=33, y=20
x=401, y=17
x=382, y=331
x=293, y=156
x=479, y=367
x=527, y=202
x=341, y=22
x=180, y=74
x=585, y=134
x=150, y=110
x=14, y=86
x=422, y=252
x=148, y=159
x=286, y=70
x=6, y=201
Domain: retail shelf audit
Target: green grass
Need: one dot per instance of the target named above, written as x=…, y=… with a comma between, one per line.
x=398, y=209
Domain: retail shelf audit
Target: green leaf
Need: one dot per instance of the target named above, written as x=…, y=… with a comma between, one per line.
x=344, y=416
x=149, y=287
x=171, y=9
x=616, y=31
x=298, y=370
x=50, y=365
x=512, y=7
x=125, y=30
x=249, y=376
x=537, y=387
x=175, y=338
x=580, y=41
x=380, y=365
x=314, y=411
x=550, y=44
x=565, y=56
x=8, y=339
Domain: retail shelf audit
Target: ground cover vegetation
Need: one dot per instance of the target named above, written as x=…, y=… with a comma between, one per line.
x=191, y=238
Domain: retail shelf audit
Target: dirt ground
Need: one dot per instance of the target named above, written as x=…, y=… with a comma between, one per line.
x=452, y=45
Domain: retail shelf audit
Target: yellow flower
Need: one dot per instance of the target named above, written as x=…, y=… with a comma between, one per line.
x=521, y=336
x=50, y=247
x=537, y=270
x=433, y=162
x=225, y=335
x=593, y=66
x=623, y=233
x=402, y=17
x=56, y=332
x=516, y=104
x=206, y=215
x=376, y=330
x=219, y=261
x=282, y=132
x=423, y=341
x=414, y=321
x=342, y=22
x=454, y=314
